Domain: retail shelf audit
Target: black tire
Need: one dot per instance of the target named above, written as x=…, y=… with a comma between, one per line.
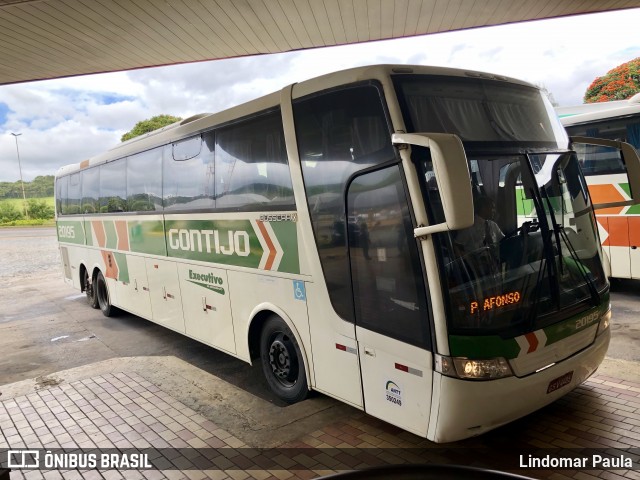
x=282, y=361
x=89, y=290
x=102, y=293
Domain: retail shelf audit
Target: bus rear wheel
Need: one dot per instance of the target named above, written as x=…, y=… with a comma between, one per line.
x=102, y=293
x=89, y=290
x=282, y=361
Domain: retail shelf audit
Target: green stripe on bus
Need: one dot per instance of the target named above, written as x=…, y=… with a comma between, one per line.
x=483, y=346
x=234, y=242
x=110, y=233
x=123, y=268
x=492, y=346
x=576, y=323
x=88, y=234
x=626, y=188
x=288, y=238
x=524, y=206
x=229, y=242
x=147, y=236
x=70, y=231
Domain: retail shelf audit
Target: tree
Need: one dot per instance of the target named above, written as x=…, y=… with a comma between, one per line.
x=620, y=83
x=149, y=125
x=39, y=209
x=8, y=213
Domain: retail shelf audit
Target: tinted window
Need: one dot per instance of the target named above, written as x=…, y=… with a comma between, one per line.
x=189, y=183
x=598, y=160
x=74, y=194
x=251, y=165
x=144, y=181
x=388, y=288
x=62, y=191
x=90, y=190
x=338, y=133
x=113, y=186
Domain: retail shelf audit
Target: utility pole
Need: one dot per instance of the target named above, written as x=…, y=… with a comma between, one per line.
x=24, y=197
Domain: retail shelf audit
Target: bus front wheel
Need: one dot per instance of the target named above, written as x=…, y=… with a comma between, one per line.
x=89, y=290
x=102, y=293
x=282, y=361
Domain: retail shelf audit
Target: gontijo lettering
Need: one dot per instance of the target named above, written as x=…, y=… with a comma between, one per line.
x=496, y=301
x=237, y=242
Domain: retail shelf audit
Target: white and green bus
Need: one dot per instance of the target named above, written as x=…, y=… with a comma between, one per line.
x=321, y=231
x=619, y=225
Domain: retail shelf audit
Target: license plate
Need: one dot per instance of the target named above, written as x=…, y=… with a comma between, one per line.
x=560, y=382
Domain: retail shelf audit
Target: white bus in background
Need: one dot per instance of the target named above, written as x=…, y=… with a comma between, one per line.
x=619, y=226
x=317, y=230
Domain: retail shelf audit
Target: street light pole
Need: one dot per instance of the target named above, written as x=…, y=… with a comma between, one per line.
x=24, y=197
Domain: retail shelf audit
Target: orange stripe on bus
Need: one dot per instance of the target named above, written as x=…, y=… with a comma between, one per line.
x=272, y=248
x=101, y=236
x=533, y=342
x=606, y=193
x=84, y=164
x=634, y=231
x=111, y=270
x=123, y=234
x=618, y=232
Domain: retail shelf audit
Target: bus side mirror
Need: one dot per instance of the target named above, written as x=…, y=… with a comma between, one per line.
x=598, y=156
x=452, y=175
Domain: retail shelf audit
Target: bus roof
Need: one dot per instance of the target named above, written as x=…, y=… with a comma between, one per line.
x=591, y=112
x=205, y=121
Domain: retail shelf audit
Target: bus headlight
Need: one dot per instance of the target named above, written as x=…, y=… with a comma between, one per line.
x=604, y=322
x=471, y=369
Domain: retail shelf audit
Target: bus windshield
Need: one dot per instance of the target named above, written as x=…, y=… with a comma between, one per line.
x=532, y=254
x=532, y=250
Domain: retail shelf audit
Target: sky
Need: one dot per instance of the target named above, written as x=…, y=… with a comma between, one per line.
x=69, y=120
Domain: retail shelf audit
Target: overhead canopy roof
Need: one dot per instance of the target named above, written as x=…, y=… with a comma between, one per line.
x=44, y=39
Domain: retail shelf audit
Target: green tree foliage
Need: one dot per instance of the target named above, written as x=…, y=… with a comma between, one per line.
x=618, y=84
x=149, y=125
x=8, y=213
x=39, y=209
x=41, y=186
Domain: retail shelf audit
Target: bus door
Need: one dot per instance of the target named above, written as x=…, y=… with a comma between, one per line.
x=392, y=328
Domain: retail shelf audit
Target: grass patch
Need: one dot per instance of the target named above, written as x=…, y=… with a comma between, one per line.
x=18, y=203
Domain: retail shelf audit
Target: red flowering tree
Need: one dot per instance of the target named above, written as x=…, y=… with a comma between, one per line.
x=620, y=83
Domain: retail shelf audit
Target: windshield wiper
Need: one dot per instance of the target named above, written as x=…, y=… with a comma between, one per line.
x=545, y=262
x=595, y=296
x=559, y=231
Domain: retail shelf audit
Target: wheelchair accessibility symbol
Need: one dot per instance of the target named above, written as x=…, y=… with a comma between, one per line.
x=299, y=292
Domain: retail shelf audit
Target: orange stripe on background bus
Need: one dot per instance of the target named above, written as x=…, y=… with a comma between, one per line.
x=606, y=193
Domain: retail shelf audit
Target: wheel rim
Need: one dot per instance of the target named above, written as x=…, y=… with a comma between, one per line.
x=103, y=296
x=283, y=360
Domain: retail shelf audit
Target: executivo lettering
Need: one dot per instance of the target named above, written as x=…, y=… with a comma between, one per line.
x=207, y=280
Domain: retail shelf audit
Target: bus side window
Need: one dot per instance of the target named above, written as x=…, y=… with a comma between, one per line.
x=113, y=186
x=90, y=190
x=251, y=165
x=144, y=181
x=62, y=192
x=75, y=194
x=187, y=171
